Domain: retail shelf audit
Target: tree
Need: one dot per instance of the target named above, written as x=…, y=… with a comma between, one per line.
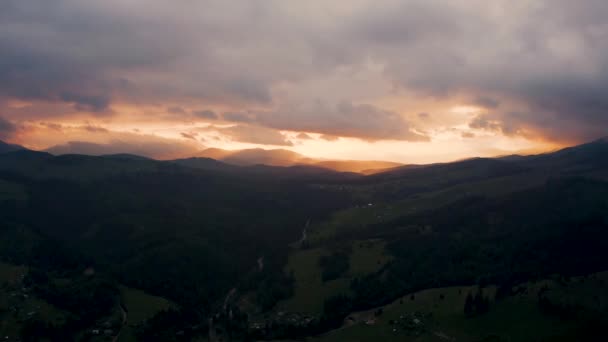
x=480, y=303
x=468, y=305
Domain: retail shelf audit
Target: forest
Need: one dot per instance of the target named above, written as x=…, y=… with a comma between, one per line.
x=220, y=245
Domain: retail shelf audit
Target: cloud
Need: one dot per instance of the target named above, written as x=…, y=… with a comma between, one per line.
x=94, y=103
x=549, y=57
x=485, y=122
x=96, y=53
x=329, y=137
x=91, y=138
x=364, y=121
x=205, y=114
x=487, y=102
x=52, y=125
x=239, y=117
x=176, y=110
x=303, y=136
x=150, y=147
x=540, y=66
x=7, y=128
x=191, y=135
x=255, y=135
x=95, y=129
x=424, y=116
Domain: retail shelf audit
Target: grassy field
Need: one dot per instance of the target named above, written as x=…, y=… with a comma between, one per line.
x=310, y=290
x=441, y=317
x=367, y=257
x=140, y=307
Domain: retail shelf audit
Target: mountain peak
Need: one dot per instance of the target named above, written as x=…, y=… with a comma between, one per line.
x=7, y=147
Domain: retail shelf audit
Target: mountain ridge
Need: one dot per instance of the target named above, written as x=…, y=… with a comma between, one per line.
x=8, y=147
x=283, y=157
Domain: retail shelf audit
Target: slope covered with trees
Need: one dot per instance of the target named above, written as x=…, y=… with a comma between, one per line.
x=215, y=239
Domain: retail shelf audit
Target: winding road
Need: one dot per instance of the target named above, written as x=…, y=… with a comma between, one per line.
x=233, y=291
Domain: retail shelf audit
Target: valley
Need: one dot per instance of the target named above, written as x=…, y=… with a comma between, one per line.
x=130, y=249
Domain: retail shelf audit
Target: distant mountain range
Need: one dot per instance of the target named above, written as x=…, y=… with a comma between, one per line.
x=281, y=157
x=6, y=147
x=210, y=157
x=195, y=231
x=220, y=159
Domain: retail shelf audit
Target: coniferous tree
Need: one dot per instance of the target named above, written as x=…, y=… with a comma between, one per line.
x=468, y=305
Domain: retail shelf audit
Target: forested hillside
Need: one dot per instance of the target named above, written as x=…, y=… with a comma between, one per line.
x=279, y=252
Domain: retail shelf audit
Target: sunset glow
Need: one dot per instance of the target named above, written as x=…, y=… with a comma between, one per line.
x=173, y=81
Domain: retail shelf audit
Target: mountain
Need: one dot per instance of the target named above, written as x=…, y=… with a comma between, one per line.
x=278, y=157
x=125, y=156
x=205, y=164
x=215, y=153
x=282, y=157
x=299, y=243
x=6, y=147
x=366, y=167
x=588, y=156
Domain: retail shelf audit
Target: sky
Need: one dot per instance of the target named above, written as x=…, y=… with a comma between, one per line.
x=413, y=81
